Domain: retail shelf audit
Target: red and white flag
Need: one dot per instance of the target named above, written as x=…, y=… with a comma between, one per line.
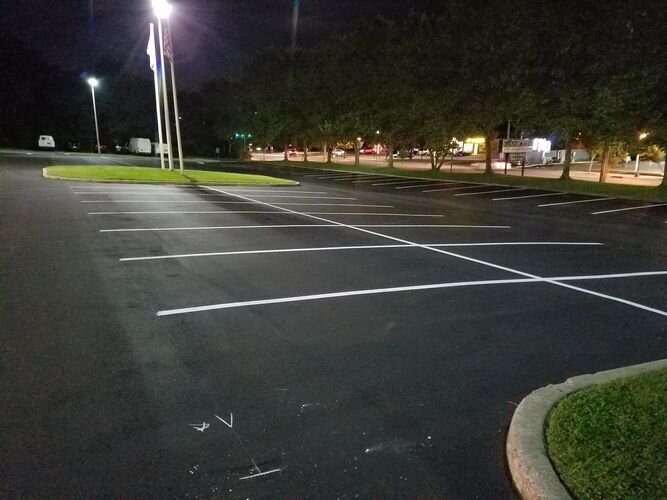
x=150, y=50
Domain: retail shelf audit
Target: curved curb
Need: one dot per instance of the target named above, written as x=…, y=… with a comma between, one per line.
x=532, y=472
x=163, y=183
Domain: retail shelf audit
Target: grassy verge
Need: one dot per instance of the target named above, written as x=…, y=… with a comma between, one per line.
x=573, y=186
x=148, y=174
x=610, y=441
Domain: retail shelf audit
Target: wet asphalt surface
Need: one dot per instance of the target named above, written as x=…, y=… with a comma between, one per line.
x=113, y=385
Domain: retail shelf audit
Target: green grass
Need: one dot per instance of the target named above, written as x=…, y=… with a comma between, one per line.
x=148, y=174
x=610, y=441
x=573, y=186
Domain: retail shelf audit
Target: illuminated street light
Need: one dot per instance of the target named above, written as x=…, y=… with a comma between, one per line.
x=93, y=82
x=162, y=9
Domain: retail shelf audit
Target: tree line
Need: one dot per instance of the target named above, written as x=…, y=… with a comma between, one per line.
x=588, y=70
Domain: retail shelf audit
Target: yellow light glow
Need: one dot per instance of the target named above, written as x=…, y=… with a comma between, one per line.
x=476, y=140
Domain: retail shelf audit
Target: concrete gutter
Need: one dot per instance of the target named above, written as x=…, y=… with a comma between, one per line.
x=529, y=464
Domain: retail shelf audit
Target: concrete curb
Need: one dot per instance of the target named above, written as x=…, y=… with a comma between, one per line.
x=163, y=183
x=529, y=464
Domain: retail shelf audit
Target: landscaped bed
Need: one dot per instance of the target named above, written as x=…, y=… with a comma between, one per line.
x=610, y=441
x=148, y=174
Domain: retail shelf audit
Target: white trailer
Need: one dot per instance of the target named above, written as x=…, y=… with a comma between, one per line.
x=139, y=146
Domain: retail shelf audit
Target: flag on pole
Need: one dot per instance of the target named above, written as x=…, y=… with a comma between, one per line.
x=150, y=50
x=168, y=52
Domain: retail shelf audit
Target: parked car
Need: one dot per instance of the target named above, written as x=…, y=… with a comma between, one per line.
x=420, y=152
x=367, y=150
x=74, y=146
x=403, y=153
x=338, y=152
x=292, y=152
x=46, y=142
x=139, y=146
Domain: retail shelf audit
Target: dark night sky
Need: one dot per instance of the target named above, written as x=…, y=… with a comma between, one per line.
x=212, y=38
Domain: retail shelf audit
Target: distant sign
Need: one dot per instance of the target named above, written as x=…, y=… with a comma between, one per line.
x=517, y=145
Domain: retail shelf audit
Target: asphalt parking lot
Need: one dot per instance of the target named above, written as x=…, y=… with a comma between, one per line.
x=353, y=336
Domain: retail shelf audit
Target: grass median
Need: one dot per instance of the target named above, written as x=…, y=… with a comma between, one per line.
x=644, y=193
x=610, y=441
x=149, y=174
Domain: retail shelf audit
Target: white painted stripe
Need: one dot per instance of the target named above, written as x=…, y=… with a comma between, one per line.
x=303, y=197
x=210, y=228
x=610, y=276
x=433, y=286
x=335, y=176
x=394, y=182
x=529, y=196
x=460, y=188
x=332, y=295
x=262, y=252
x=434, y=225
x=252, y=476
x=631, y=208
x=371, y=178
x=177, y=212
x=573, y=202
x=211, y=201
x=462, y=257
x=333, y=249
x=349, y=178
x=491, y=192
x=430, y=184
x=236, y=212
x=335, y=205
x=515, y=243
x=333, y=224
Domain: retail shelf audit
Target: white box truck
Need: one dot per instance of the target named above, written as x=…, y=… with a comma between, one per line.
x=139, y=146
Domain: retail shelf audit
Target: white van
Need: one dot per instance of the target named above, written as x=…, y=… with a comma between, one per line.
x=139, y=146
x=46, y=142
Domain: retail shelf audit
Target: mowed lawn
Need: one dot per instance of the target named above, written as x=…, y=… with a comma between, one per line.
x=610, y=441
x=149, y=174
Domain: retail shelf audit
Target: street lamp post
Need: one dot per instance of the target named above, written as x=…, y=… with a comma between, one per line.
x=162, y=10
x=93, y=83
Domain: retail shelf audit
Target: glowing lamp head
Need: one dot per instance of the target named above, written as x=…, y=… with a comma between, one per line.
x=643, y=136
x=93, y=82
x=162, y=8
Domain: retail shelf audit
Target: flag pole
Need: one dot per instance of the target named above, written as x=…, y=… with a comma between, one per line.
x=151, y=48
x=164, y=96
x=173, y=89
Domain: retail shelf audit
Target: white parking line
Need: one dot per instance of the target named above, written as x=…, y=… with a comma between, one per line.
x=237, y=212
x=573, y=202
x=462, y=257
x=214, y=202
x=211, y=228
x=394, y=182
x=348, y=178
x=631, y=208
x=277, y=226
x=430, y=184
x=491, y=192
x=529, y=196
x=332, y=249
x=476, y=186
x=372, y=178
x=304, y=197
x=399, y=289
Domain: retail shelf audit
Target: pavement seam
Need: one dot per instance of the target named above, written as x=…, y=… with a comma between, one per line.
x=530, y=467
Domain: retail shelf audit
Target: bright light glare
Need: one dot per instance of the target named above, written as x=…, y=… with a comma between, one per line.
x=643, y=136
x=92, y=82
x=162, y=8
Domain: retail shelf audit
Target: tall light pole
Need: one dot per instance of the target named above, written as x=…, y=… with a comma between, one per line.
x=162, y=10
x=93, y=83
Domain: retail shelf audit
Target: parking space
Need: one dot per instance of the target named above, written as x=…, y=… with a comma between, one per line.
x=354, y=335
